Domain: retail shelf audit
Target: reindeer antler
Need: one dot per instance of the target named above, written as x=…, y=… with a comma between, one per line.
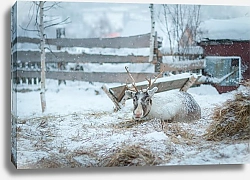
x=150, y=83
x=133, y=83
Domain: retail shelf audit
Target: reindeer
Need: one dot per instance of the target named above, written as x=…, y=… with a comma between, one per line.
x=172, y=106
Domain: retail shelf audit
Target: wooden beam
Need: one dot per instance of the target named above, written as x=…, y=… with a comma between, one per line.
x=118, y=92
x=55, y=57
x=138, y=41
x=183, y=66
x=163, y=84
x=106, y=77
x=182, y=54
x=113, y=99
x=188, y=84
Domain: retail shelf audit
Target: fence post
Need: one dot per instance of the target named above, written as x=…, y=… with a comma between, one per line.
x=152, y=34
x=157, y=52
x=60, y=33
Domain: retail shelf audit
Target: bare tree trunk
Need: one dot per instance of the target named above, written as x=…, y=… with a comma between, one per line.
x=152, y=35
x=42, y=36
x=168, y=30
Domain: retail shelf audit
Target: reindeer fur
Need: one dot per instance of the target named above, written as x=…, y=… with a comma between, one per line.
x=174, y=106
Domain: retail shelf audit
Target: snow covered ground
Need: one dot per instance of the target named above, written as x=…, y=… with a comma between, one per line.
x=80, y=129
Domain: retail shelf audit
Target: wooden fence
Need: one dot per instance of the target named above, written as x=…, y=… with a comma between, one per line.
x=26, y=64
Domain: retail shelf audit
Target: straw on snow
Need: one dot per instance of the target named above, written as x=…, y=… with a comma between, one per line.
x=134, y=155
x=232, y=118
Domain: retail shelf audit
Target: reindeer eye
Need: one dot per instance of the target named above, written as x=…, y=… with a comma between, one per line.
x=148, y=100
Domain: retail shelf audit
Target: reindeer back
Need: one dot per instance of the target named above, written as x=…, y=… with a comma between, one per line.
x=175, y=106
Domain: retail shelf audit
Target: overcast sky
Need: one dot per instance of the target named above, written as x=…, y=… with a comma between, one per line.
x=83, y=14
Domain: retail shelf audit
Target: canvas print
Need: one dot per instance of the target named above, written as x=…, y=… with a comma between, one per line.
x=129, y=84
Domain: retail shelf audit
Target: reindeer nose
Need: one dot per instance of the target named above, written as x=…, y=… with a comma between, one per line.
x=138, y=115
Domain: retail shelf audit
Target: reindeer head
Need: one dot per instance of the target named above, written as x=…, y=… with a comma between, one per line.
x=142, y=99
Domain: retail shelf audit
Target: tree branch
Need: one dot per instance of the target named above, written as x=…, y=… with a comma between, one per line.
x=47, y=8
x=34, y=30
x=62, y=22
x=51, y=20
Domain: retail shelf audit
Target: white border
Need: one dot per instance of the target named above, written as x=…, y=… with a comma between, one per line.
x=182, y=172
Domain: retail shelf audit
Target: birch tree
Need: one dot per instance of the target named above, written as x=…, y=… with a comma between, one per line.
x=40, y=25
x=42, y=46
x=152, y=34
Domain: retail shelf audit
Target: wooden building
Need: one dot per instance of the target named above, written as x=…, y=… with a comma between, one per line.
x=228, y=38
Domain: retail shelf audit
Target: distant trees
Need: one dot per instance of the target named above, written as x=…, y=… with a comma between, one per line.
x=101, y=27
x=181, y=24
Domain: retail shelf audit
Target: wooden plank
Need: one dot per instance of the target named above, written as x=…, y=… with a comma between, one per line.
x=106, y=77
x=182, y=54
x=162, y=85
x=138, y=41
x=183, y=66
x=188, y=84
x=113, y=99
x=34, y=56
x=118, y=92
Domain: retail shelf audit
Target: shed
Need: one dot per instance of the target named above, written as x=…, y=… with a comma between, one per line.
x=227, y=38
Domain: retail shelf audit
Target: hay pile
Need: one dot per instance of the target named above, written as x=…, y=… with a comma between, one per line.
x=54, y=161
x=232, y=118
x=130, y=156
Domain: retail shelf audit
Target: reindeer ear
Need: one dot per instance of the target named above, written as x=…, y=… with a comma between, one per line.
x=152, y=91
x=129, y=93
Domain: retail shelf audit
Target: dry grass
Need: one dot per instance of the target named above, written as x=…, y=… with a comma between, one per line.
x=130, y=123
x=61, y=160
x=53, y=162
x=178, y=134
x=48, y=163
x=123, y=156
x=130, y=156
x=232, y=119
x=246, y=83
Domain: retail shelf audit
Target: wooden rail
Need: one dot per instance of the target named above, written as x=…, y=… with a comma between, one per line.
x=107, y=77
x=55, y=57
x=118, y=42
x=183, y=65
x=26, y=64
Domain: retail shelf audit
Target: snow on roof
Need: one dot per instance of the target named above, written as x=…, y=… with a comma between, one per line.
x=235, y=28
